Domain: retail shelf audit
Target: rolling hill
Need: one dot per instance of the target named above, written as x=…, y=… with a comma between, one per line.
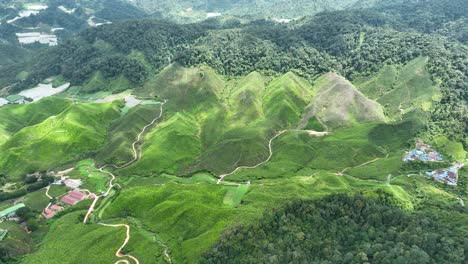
x=271, y=136
x=77, y=131
x=338, y=103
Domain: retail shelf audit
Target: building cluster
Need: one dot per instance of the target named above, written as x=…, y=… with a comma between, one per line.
x=51, y=211
x=448, y=176
x=74, y=197
x=422, y=152
x=37, y=37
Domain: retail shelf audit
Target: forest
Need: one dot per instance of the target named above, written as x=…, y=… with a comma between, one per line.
x=341, y=229
x=353, y=43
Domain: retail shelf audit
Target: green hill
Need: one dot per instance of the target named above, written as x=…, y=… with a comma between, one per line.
x=185, y=88
x=77, y=131
x=123, y=132
x=404, y=90
x=338, y=103
x=285, y=98
x=15, y=117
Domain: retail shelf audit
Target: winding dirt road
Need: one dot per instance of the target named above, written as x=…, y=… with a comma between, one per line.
x=118, y=253
x=138, y=139
x=47, y=192
x=221, y=177
x=136, y=157
x=270, y=149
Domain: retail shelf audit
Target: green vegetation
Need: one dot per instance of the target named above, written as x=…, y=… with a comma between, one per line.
x=405, y=90
x=337, y=104
x=13, y=118
x=77, y=131
x=188, y=218
x=77, y=242
x=123, y=132
x=340, y=229
x=234, y=194
x=236, y=158
x=16, y=244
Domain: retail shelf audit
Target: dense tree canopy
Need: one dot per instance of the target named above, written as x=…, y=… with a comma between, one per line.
x=340, y=229
x=353, y=43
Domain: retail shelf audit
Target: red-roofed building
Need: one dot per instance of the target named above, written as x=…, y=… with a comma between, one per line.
x=69, y=200
x=56, y=208
x=77, y=195
x=48, y=213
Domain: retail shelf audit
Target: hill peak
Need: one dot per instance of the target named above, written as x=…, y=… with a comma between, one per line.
x=339, y=104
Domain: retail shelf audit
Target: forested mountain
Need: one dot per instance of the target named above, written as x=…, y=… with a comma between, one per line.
x=26, y=28
x=165, y=132
x=355, y=44
x=189, y=10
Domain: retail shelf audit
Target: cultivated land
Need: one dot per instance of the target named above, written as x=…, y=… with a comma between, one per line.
x=171, y=178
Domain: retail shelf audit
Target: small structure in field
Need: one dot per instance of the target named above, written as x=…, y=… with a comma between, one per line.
x=68, y=200
x=51, y=211
x=72, y=183
x=15, y=99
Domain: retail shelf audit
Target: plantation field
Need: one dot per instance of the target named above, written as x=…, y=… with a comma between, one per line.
x=185, y=213
x=404, y=90
x=70, y=242
x=77, y=131
x=179, y=196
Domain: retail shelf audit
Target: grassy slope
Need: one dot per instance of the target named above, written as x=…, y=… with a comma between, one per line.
x=123, y=132
x=296, y=153
x=187, y=217
x=172, y=146
x=339, y=104
x=190, y=214
x=285, y=99
x=15, y=117
x=77, y=131
x=404, y=90
x=230, y=125
x=98, y=82
x=78, y=243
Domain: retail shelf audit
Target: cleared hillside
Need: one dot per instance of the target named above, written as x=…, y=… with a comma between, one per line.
x=338, y=103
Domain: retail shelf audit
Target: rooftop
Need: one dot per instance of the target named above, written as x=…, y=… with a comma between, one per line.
x=77, y=195
x=56, y=208
x=69, y=200
x=11, y=210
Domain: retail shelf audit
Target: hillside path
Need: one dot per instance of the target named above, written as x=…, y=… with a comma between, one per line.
x=136, y=157
x=47, y=192
x=270, y=149
x=118, y=253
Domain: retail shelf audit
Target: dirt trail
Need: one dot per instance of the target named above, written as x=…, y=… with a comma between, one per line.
x=136, y=158
x=341, y=173
x=221, y=177
x=270, y=149
x=138, y=139
x=47, y=192
x=118, y=253
x=112, y=184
